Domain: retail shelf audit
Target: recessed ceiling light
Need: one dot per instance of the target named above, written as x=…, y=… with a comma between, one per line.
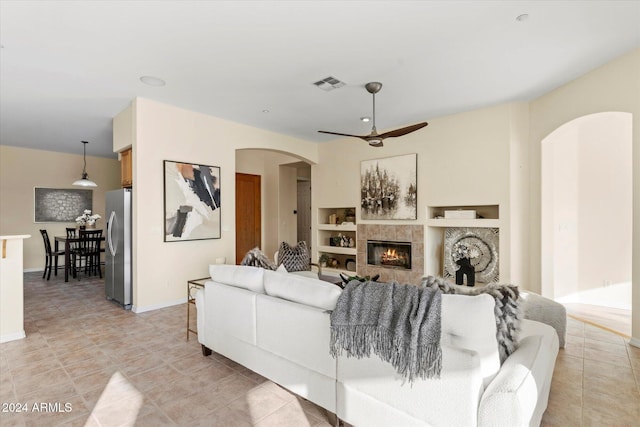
x=522, y=18
x=365, y=119
x=265, y=111
x=152, y=81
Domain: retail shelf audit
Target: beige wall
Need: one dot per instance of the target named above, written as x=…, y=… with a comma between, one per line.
x=163, y=132
x=612, y=87
x=22, y=169
x=463, y=159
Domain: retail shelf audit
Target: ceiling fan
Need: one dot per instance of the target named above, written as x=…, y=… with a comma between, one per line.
x=374, y=139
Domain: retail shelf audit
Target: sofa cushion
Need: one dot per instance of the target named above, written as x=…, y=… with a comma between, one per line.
x=306, y=273
x=468, y=322
x=230, y=312
x=296, y=332
x=303, y=290
x=240, y=276
x=507, y=309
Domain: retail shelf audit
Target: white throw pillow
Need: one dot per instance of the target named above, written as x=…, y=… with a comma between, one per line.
x=240, y=276
x=281, y=269
x=303, y=290
x=469, y=322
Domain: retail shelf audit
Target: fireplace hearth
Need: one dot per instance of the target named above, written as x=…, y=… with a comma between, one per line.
x=389, y=254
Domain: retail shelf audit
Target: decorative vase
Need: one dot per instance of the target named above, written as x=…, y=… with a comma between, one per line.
x=466, y=269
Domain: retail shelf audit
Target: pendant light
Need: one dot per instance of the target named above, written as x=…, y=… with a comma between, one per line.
x=85, y=181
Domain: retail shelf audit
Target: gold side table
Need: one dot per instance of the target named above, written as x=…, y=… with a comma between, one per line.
x=191, y=285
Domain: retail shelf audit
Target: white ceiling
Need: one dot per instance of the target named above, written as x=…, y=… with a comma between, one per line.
x=67, y=67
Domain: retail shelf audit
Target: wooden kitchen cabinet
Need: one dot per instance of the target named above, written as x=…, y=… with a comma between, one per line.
x=125, y=169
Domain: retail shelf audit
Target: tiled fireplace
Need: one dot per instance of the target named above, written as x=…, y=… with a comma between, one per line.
x=398, y=251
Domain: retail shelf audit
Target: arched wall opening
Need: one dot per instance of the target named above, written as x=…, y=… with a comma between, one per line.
x=586, y=228
x=280, y=173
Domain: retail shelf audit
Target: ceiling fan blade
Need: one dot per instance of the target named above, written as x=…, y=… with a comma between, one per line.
x=403, y=131
x=342, y=134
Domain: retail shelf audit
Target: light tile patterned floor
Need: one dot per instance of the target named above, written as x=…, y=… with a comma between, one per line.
x=98, y=365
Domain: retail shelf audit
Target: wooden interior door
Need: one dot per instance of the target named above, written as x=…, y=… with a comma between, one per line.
x=248, y=214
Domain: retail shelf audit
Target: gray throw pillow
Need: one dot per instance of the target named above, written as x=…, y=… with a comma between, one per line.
x=294, y=258
x=507, y=309
x=256, y=258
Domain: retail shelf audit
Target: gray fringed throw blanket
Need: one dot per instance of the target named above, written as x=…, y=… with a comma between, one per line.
x=400, y=323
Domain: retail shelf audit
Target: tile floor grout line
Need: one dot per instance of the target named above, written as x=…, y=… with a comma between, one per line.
x=592, y=323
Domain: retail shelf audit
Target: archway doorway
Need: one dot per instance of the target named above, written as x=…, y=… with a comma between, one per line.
x=279, y=172
x=587, y=217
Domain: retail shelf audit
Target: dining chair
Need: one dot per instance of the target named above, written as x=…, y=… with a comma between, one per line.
x=89, y=251
x=74, y=247
x=51, y=256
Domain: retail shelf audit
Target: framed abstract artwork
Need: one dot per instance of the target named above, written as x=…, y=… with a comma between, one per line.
x=389, y=188
x=191, y=201
x=482, y=242
x=60, y=205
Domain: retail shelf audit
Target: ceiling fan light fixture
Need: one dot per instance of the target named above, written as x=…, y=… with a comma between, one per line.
x=84, y=181
x=374, y=139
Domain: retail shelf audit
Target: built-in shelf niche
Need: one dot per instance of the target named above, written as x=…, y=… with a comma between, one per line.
x=489, y=216
x=326, y=230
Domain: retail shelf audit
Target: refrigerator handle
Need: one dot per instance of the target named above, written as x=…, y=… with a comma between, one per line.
x=109, y=233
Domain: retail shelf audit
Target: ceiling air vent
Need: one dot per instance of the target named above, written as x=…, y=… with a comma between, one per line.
x=329, y=83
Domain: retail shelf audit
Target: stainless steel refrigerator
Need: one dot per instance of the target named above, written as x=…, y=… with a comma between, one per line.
x=118, y=257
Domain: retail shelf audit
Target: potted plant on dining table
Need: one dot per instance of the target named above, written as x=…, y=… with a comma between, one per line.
x=87, y=220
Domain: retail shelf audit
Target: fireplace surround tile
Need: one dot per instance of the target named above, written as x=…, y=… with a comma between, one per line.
x=393, y=233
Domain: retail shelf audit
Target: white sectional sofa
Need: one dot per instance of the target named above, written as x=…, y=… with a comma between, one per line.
x=278, y=325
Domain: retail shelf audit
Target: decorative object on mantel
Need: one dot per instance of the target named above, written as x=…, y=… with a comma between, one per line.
x=60, y=205
x=323, y=260
x=84, y=181
x=463, y=255
x=87, y=219
x=480, y=240
x=388, y=188
x=349, y=217
x=460, y=214
x=191, y=201
x=342, y=241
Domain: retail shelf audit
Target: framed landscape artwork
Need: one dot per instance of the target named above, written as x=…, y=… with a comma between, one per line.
x=388, y=188
x=484, y=242
x=191, y=201
x=60, y=205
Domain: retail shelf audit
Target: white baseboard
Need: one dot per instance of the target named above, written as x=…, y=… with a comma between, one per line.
x=31, y=270
x=12, y=337
x=138, y=309
x=635, y=342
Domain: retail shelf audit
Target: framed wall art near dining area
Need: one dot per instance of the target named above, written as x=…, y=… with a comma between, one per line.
x=191, y=201
x=60, y=204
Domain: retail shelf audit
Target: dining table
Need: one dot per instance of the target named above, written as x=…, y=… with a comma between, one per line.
x=67, y=241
